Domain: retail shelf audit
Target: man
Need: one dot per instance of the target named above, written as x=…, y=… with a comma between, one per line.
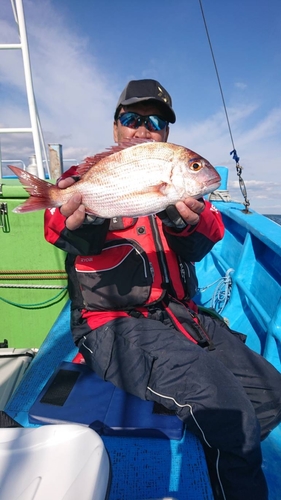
x=134, y=321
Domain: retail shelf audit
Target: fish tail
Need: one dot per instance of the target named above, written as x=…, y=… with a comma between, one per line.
x=42, y=193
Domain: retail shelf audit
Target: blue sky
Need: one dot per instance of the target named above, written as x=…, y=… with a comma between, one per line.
x=84, y=52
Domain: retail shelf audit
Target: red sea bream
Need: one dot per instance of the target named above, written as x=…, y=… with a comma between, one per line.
x=129, y=181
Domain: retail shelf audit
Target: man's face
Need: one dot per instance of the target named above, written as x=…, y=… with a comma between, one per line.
x=121, y=133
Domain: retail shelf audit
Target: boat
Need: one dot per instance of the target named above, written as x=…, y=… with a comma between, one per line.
x=240, y=279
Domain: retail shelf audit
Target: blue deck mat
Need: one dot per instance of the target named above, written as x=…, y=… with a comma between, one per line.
x=142, y=468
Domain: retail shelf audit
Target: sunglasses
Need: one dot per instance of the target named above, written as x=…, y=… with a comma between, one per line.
x=153, y=123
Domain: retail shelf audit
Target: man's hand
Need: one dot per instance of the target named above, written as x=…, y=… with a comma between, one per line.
x=73, y=210
x=184, y=213
x=190, y=210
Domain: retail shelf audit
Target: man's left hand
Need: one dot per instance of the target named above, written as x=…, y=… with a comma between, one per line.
x=190, y=210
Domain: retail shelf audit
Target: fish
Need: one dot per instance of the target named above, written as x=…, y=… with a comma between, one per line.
x=128, y=180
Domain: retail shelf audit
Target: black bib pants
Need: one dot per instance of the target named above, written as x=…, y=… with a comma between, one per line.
x=227, y=395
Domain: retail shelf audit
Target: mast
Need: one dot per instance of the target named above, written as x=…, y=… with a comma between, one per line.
x=35, y=128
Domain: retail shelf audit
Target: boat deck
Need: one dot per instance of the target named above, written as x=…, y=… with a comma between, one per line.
x=150, y=468
x=142, y=468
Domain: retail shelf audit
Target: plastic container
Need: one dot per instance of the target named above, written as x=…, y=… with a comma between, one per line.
x=13, y=364
x=53, y=462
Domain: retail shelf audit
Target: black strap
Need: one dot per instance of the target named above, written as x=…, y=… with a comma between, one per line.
x=135, y=313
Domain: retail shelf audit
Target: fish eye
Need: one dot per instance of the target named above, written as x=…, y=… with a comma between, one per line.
x=196, y=165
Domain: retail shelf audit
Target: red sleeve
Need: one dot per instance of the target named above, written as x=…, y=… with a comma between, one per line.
x=54, y=221
x=54, y=225
x=71, y=172
x=194, y=242
x=210, y=225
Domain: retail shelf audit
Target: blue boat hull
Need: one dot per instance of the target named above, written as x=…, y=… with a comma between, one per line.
x=241, y=278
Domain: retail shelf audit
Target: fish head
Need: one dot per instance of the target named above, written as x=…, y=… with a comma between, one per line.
x=200, y=177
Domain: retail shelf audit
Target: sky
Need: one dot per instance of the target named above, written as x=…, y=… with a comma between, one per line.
x=84, y=52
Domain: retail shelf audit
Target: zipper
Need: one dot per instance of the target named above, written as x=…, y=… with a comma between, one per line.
x=167, y=283
x=187, y=268
x=182, y=271
x=159, y=250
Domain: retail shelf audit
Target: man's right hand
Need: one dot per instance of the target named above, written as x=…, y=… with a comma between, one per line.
x=73, y=210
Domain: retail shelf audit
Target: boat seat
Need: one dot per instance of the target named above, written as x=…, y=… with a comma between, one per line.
x=53, y=462
x=75, y=394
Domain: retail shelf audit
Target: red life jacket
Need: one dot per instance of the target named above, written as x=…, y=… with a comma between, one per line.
x=133, y=268
x=132, y=272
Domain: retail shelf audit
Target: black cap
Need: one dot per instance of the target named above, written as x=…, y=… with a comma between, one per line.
x=146, y=90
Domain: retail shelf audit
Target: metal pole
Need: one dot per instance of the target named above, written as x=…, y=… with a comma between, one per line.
x=13, y=130
x=29, y=88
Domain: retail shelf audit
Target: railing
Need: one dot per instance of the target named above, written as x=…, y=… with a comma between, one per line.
x=72, y=161
x=35, y=128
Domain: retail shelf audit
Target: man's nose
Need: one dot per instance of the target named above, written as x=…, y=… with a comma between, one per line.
x=142, y=132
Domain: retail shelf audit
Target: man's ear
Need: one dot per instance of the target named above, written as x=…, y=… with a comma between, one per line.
x=115, y=131
x=167, y=132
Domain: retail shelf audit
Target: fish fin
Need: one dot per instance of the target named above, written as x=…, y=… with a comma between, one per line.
x=90, y=161
x=128, y=143
x=39, y=190
x=32, y=205
x=160, y=189
x=163, y=188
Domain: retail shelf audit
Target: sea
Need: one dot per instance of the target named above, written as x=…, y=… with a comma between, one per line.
x=275, y=218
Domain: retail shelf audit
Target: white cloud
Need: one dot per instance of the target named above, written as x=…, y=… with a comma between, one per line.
x=259, y=151
x=241, y=85
x=257, y=184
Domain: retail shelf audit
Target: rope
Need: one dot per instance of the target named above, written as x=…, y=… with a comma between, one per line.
x=39, y=305
x=217, y=73
x=29, y=274
x=32, y=271
x=222, y=292
x=234, y=151
x=220, y=195
x=30, y=277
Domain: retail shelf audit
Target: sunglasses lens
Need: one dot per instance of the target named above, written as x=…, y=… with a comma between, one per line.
x=129, y=120
x=153, y=123
x=156, y=123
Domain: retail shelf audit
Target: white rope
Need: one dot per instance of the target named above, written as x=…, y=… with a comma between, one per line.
x=222, y=292
x=220, y=195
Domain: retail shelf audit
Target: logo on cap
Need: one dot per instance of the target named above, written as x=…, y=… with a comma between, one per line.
x=161, y=94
